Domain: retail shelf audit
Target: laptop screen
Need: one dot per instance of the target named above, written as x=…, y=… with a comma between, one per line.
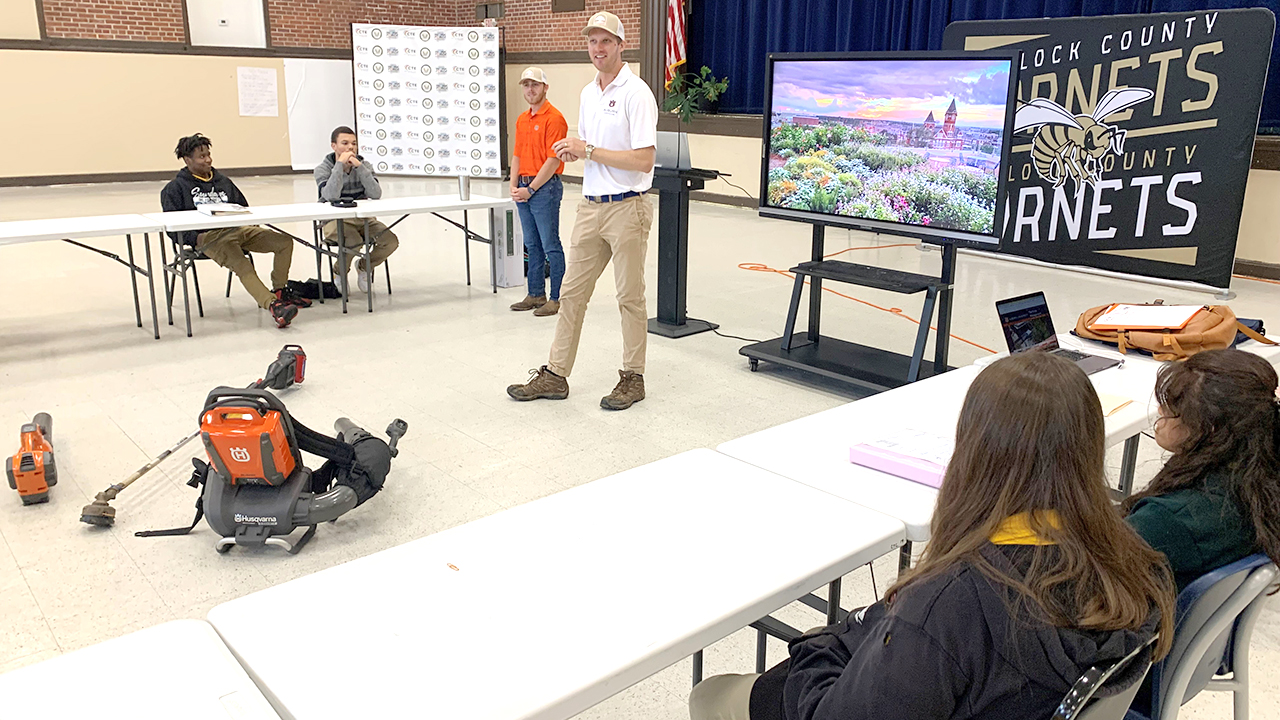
x=1026, y=323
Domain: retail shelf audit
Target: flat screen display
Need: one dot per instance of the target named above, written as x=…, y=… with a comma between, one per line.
x=907, y=143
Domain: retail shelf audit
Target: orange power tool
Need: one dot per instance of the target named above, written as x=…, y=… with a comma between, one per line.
x=32, y=471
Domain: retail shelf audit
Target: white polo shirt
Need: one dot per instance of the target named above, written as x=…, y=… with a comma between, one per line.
x=624, y=116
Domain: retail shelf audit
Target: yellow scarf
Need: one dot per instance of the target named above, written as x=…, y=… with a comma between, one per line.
x=1016, y=530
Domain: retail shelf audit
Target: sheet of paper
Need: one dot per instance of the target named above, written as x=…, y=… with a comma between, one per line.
x=916, y=443
x=1112, y=403
x=1146, y=316
x=259, y=94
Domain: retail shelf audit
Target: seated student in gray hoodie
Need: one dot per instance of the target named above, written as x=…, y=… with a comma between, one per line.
x=344, y=174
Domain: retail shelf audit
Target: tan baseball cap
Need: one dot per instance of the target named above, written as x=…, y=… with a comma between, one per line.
x=606, y=21
x=535, y=74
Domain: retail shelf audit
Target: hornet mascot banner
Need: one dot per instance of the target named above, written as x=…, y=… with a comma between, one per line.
x=1133, y=137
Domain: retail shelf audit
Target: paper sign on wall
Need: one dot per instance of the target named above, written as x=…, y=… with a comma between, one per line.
x=259, y=95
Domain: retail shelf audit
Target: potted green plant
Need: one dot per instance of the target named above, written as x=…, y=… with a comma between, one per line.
x=694, y=92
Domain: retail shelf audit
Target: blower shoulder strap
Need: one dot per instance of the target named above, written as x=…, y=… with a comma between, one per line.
x=321, y=445
x=198, y=478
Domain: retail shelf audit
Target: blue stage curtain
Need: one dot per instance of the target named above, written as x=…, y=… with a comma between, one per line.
x=732, y=37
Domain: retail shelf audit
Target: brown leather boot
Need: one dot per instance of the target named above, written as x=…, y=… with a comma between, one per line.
x=530, y=302
x=542, y=384
x=550, y=308
x=628, y=392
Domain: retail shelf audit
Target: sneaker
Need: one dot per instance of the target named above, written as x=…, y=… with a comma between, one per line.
x=283, y=312
x=363, y=280
x=286, y=295
x=530, y=302
x=551, y=307
x=339, y=278
x=542, y=384
x=628, y=392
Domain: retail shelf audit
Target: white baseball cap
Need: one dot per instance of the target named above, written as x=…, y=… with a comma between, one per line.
x=606, y=21
x=535, y=74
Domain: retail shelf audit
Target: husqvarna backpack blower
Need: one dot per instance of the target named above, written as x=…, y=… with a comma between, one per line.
x=255, y=489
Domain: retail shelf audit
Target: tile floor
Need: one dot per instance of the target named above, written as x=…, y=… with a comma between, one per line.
x=437, y=353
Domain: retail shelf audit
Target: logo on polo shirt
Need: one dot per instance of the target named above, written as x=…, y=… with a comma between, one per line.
x=612, y=103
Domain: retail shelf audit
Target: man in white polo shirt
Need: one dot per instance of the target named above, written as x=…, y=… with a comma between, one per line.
x=618, y=122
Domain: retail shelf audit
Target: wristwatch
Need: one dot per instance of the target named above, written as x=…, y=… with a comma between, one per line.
x=590, y=149
x=532, y=189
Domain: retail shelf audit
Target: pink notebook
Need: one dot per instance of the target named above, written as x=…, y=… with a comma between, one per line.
x=926, y=463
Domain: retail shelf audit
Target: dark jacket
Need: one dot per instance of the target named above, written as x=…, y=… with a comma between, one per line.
x=185, y=192
x=1198, y=529
x=335, y=182
x=948, y=647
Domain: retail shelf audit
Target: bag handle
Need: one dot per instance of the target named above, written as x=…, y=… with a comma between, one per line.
x=1254, y=335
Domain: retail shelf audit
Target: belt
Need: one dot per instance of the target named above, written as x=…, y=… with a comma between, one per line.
x=612, y=198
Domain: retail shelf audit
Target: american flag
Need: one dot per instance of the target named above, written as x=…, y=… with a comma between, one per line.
x=675, y=38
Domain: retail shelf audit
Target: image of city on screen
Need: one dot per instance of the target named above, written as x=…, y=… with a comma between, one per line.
x=906, y=141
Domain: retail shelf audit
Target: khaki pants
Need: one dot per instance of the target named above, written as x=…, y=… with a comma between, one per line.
x=722, y=697
x=602, y=232
x=227, y=246
x=385, y=242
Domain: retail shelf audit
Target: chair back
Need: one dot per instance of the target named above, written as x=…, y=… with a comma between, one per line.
x=1077, y=706
x=1215, y=615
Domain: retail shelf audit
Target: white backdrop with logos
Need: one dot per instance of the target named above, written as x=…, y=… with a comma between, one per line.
x=428, y=99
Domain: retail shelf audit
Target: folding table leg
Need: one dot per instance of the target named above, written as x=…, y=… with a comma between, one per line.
x=833, y=602
x=466, y=244
x=762, y=638
x=1128, y=462
x=133, y=279
x=904, y=557
x=167, y=279
x=195, y=280
x=317, y=236
x=151, y=284
x=792, y=310
x=342, y=264
x=922, y=335
x=368, y=265
x=186, y=300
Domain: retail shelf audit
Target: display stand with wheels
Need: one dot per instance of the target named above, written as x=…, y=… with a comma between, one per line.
x=861, y=365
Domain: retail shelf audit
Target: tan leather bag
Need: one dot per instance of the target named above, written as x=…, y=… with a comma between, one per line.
x=1211, y=328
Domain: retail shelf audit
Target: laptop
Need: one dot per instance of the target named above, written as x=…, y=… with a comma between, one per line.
x=1028, y=327
x=673, y=150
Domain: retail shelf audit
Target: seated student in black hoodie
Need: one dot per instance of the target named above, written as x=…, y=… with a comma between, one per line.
x=1217, y=499
x=198, y=184
x=345, y=174
x=1030, y=578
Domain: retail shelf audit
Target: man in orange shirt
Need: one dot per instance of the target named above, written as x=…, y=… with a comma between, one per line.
x=537, y=190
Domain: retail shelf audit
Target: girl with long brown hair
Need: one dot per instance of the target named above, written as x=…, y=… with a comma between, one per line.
x=1217, y=499
x=1030, y=578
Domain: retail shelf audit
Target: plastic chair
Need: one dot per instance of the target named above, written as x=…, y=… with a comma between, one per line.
x=1216, y=617
x=1080, y=704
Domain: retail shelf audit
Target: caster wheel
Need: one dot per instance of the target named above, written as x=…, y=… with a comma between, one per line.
x=755, y=365
x=223, y=549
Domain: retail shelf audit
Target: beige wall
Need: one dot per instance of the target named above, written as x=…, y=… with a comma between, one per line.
x=1260, y=225
x=1259, y=238
x=88, y=113
x=566, y=82
x=18, y=20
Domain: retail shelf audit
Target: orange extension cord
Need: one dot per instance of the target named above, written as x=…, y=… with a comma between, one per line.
x=760, y=267
x=1246, y=277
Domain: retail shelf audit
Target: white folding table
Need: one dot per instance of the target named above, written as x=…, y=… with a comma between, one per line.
x=570, y=599
x=180, y=669
x=814, y=450
x=505, y=252
x=69, y=230
x=180, y=221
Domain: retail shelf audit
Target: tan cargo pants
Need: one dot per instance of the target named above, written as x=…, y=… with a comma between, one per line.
x=385, y=242
x=617, y=231
x=227, y=247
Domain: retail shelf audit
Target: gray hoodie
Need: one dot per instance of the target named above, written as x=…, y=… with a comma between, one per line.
x=336, y=183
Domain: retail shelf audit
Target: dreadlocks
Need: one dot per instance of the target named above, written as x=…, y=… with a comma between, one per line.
x=188, y=145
